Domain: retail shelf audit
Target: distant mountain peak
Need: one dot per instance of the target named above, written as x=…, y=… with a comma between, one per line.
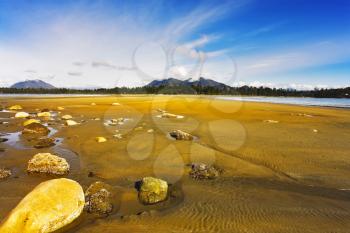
x=201, y=82
x=35, y=84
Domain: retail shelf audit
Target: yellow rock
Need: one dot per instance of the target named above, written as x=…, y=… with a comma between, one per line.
x=15, y=107
x=93, y=104
x=30, y=121
x=66, y=117
x=21, y=115
x=60, y=108
x=44, y=114
x=48, y=163
x=48, y=207
x=71, y=122
x=101, y=139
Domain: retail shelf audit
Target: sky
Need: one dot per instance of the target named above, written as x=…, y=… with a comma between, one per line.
x=86, y=44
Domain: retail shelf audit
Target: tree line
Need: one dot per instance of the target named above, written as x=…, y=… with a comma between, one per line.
x=244, y=91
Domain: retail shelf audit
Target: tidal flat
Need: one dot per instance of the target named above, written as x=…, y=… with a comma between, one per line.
x=283, y=168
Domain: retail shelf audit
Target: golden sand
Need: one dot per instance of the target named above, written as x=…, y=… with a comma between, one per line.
x=286, y=168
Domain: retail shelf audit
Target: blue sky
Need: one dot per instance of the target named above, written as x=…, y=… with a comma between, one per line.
x=284, y=43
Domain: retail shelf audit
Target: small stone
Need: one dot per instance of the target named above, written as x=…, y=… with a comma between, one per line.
x=50, y=206
x=4, y=173
x=100, y=139
x=98, y=198
x=202, y=171
x=271, y=121
x=30, y=121
x=44, y=142
x=181, y=135
x=48, y=163
x=152, y=190
x=66, y=117
x=315, y=130
x=150, y=131
x=138, y=128
x=35, y=128
x=71, y=122
x=93, y=104
x=44, y=114
x=115, y=104
x=15, y=107
x=21, y=115
x=60, y=108
x=118, y=136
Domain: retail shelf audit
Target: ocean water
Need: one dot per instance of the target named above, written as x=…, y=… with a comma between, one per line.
x=306, y=101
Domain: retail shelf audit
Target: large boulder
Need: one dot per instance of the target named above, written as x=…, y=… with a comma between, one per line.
x=181, y=135
x=48, y=207
x=152, y=190
x=98, y=198
x=35, y=128
x=48, y=163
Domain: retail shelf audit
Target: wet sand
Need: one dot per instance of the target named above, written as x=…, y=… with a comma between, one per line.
x=286, y=168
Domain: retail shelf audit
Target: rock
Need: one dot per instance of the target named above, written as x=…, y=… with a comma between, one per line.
x=101, y=139
x=60, y=108
x=96, y=119
x=30, y=121
x=48, y=163
x=93, y=104
x=3, y=140
x=170, y=115
x=315, y=130
x=66, y=117
x=15, y=107
x=150, y=131
x=115, y=104
x=152, y=190
x=181, y=135
x=118, y=136
x=35, y=128
x=21, y=115
x=98, y=198
x=71, y=122
x=4, y=173
x=202, y=171
x=44, y=114
x=44, y=142
x=271, y=121
x=50, y=206
x=138, y=128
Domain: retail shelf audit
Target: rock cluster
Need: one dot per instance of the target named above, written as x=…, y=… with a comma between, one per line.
x=48, y=207
x=98, y=198
x=48, y=163
x=181, y=135
x=152, y=190
x=202, y=171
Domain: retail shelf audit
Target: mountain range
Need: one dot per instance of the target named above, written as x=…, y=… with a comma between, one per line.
x=170, y=82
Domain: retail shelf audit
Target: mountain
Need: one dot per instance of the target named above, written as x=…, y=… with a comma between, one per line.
x=34, y=84
x=170, y=82
x=201, y=82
